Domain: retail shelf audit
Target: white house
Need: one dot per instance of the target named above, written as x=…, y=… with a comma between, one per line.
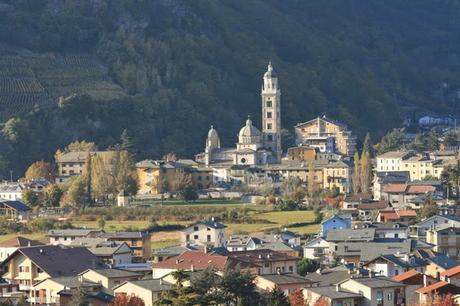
x=204, y=233
x=317, y=249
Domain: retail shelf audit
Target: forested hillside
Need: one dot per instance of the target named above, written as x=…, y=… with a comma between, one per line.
x=167, y=69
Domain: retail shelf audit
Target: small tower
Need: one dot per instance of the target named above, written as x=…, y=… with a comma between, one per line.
x=271, y=117
x=212, y=142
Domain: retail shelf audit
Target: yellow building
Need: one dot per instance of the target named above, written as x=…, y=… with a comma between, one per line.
x=139, y=242
x=109, y=278
x=301, y=153
x=327, y=135
x=148, y=290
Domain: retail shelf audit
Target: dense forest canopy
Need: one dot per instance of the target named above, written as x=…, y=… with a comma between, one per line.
x=184, y=65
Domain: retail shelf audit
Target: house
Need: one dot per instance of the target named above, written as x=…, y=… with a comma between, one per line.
x=445, y=238
x=331, y=276
x=367, y=211
x=109, y=278
x=265, y=261
x=375, y=290
x=419, y=229
x=408, y=216
x=243, y=243
x=47, y=291
x=413, y=280
x=355, y=234
x=382, y=178
x=113, y=253
x=9, y=246
x=168, y=252
x=98, y=298
x=440, y=288
x=11, y=191
x=327, y=135
x=189, y=261
x=283, y=247
x=400, y=195
x=333, y=296
x=148, y=290
x=452, y=276
x=139, y=242
x=287, y=283
x=395, y=264
x=388, y=229
x=302, y=153
x=204, y=233
x=14, y=209
x=74, y=162
x=317, y=249
x=66, y=236
x=439, y=264
x=29, y=265
x=335, y=222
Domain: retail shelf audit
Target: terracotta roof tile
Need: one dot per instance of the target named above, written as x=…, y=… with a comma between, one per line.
x=406, y=213
x=451, y=272
x=197, y=259
x=432, y=287
x=420, y=189
x=395, y=188
x=19, y=242
x=406, y=275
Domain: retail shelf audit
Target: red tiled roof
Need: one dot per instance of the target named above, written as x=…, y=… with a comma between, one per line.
x=406, y=213
x=420, y=189
x=19, y=242
x=451, y=272
x=406, y=275
x=432, y=287
x=389, y=215
x=199, y=260
x=394, y=188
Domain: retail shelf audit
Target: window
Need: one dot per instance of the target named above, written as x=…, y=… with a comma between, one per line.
x=208, y=238
x=269, y=115
x=195, y=237
x=291, y=269
x=270, y=137
x=390, y=296
x=379, y=297
x=187, y=238
x=195, y=228
x=266, y=265
x=269, y=103
x=269, y=126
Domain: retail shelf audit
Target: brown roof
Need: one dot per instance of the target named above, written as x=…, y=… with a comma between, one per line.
x=19, y=242
x=390, y=215
x=394, y=188
x=432, y=287
x=407, y=213
x=420, y=189
x=406, y=275
x=451, y=272
x=373, y=205
x=259, y=256
x=193, y=259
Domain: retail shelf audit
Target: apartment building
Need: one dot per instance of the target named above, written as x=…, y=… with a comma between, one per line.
x=446, y=239
x=205, y=233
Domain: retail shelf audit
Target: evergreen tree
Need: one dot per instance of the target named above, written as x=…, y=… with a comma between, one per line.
x=356, y=174
x=276, y=297
x=368, y=147
x=126, y=142
x=365, y=172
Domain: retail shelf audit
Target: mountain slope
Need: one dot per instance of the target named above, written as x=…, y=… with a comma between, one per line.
x=185, y=65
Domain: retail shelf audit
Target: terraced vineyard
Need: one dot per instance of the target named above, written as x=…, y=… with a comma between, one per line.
x=28, y=79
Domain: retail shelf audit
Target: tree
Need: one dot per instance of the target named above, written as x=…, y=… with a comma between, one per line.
x=368, y=147
x=451, y=139
x=451, y=176
x=188, y=194
x=31, y=198
x=238, y=288
x=429, y=209
x=391, y=141
x=171, y=156
x=53, y=195
x=293, y=189
x=101, y=223
x=40, y=169
x=296, y=298
x=276, y=297
x=179, y=276
x=126, y=142
x=125, y=175
x=322, y=301
x=307, y=265
x=81, y=146
x=79, y=297
x=75, y=194
x=101, y=181
x=365, y=174
x=87, y=178
x=356, y=174
x=125, y=300
x=311, y=183
x=318, y=214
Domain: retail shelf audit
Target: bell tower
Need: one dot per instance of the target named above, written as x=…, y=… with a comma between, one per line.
x=271, y=117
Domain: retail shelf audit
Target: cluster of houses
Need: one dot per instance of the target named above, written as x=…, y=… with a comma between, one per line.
x=393, y=262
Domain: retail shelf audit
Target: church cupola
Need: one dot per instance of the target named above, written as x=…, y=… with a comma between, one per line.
x=213, y=140
x=270, y=79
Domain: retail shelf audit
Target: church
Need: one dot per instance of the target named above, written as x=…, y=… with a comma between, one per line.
x=254, y=146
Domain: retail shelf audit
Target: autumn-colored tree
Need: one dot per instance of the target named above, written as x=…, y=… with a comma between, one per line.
x=356, y=179
x=40, y=169
x=171, y=156
x=31, y=198
x=125, y=300
x=322, y=302
x=81, y=146
x=296, y=298
x=365, y=172
x=53, y=195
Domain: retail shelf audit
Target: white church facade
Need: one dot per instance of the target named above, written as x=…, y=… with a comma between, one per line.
x=254, y=146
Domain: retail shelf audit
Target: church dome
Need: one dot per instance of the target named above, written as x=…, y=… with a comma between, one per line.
x=249, y=133
x=270, y=72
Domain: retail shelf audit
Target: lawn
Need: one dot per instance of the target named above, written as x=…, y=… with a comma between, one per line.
x=35, y=236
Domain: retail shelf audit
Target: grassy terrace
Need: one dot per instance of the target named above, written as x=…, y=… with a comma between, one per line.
x=261, y=218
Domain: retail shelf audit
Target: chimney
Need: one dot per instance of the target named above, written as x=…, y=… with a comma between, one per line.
x=41, y=251
x=192, y=267
x=161, y=281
